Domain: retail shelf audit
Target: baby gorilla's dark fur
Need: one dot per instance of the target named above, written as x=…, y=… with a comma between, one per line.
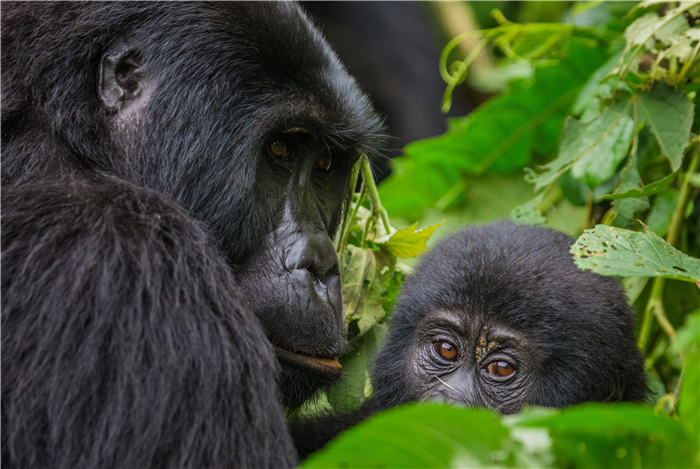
x=518, y=322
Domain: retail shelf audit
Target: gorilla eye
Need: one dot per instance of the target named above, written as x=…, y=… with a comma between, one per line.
x=500, y=369
x=445, y=350
x=280, y=149
x=324, y=163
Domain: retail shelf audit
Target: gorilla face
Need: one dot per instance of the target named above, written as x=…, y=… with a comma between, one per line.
x=275, y=126
x=499, y=316
x=461, y=358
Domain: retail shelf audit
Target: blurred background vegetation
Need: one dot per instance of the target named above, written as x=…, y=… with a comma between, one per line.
x=576, y=115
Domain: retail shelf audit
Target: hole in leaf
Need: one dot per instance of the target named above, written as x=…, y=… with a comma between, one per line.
x=680, y=268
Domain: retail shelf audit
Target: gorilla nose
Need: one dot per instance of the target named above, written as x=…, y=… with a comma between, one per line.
x=315, y=254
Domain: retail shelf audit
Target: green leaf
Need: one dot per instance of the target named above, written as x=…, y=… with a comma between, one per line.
x=669, y=116
x=613, y=136
x=641, y=30
x=421, y=436
x=353, y=388
x=527, y=213
x=613, y=251
x=593, y=85
x=676, y=26
x=631, y=181
x=407, y=242
x=688, y=339
x=592, y=150
x=650, y=189
x=659, y=217
x=349, y=392
x=616, y=436
x=392, y=289
x=627, y=209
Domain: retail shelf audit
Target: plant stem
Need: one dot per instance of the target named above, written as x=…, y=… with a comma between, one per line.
x=350, y=218
x=377, y=208
x=655, y=303
x=679, y=213
x=349, y=215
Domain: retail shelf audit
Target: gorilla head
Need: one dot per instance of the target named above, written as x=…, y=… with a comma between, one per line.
x=499, y=316
x=239, y=112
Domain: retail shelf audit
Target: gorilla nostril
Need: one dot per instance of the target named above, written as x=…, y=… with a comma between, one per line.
x=321, y=272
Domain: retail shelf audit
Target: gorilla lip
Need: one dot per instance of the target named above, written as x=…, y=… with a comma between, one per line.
x=328, y=366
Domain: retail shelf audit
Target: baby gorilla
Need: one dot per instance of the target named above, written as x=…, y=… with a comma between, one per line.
x=499, y=316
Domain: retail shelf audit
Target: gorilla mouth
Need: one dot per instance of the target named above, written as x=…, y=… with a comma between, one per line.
x=326, y=366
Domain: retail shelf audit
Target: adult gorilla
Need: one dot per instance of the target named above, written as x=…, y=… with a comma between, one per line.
x=151, y=151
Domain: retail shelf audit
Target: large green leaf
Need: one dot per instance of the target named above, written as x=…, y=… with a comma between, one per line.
x=592, y=150
x=438, y=435
x=688, y=339
x=499, y=136
x=608, y=250
x=349, y=392
x=421, y=436
x=616, y=436
x=669, y=115
x=353, y=388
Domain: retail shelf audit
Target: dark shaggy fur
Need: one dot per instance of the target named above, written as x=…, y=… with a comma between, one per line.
x=578, y=326
x=125, y=340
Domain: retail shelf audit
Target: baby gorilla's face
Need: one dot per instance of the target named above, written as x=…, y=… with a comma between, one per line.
x=460, y=357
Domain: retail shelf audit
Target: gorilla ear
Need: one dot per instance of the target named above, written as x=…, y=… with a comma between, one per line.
x=122, y=77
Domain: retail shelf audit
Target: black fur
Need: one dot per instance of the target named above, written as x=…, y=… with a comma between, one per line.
x=575, y=329
x=126, y=341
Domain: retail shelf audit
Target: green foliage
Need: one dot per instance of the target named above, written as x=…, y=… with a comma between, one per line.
x=600, y=115
x=437, y=435
x=369, y=250
x=501, y=136
x=607, y=250
x=408, y=242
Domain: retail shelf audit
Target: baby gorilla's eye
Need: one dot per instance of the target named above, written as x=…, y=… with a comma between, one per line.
x=280, y=149
x=499, y=369
x=445, y=350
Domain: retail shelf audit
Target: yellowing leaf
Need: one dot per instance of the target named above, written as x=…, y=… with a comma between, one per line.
x=362, y=286
x=407, y=242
